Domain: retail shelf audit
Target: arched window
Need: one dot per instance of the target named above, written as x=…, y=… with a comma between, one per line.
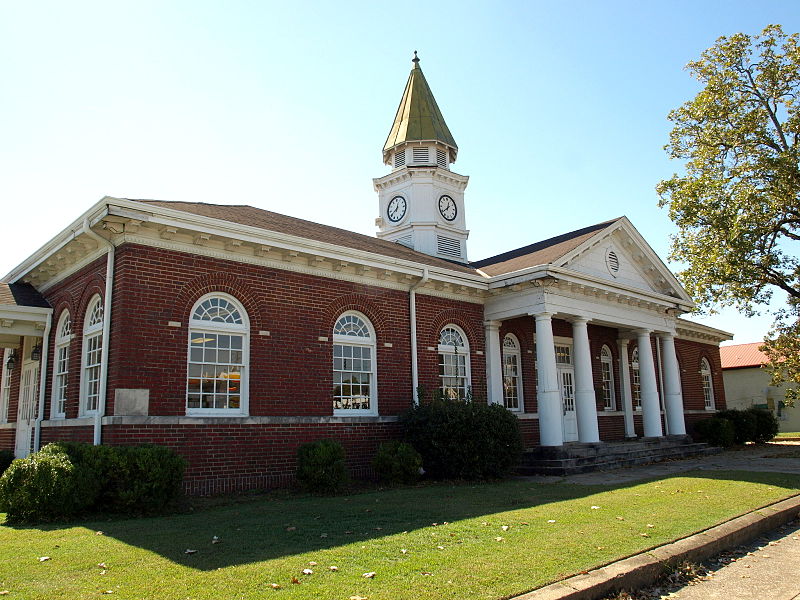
x=61, y=366
x=92, y=356
x=453, y=363
x=708, y=384
x=636, y=390
x=512, y=373
x=216, y=380
x=5, y=385
x=607, y=373
x=354, y=380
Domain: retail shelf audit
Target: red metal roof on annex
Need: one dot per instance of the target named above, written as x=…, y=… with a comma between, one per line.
x=739, y=356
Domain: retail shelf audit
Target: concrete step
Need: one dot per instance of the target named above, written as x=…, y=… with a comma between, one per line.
x=583, y=458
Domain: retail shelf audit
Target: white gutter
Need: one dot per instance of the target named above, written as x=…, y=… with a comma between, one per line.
x=37, y=428
x=101, y=405
x=412, y=306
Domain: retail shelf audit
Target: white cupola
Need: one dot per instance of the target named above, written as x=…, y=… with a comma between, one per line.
x=422, y=201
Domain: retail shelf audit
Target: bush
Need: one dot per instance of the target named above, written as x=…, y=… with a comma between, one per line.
x=715, y=431
x=766, y=425
x=397, y=462
x=40, y=487
x=463, y=439
x=6, y=457
x=128, y=480
x=744, y=424
x=321, y=467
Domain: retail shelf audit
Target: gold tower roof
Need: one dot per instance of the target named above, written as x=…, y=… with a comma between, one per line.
x=418, y=117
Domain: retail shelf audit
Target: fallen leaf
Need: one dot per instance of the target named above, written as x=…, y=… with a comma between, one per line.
x=312, y=563
x=440, y=547
x=403, y=551
x=99, y=533
x=644, y=534
x=498, y=539
x=308, y=572
x=274, y=586
x=601, y=547
x=378, y=528
x=524, y=523
x=594, y=507
x=108, y=592
x=102, y=565
x=190, y=551
x=620, y=518
x=43, y=558
x=551, y=520
x=426, y=573
x=295, y=580
x=369, y=575
x=103, y=572
x=333, y=568
x=4, y=592
x=323, y=535
x=650, y=525
x=215, y=540
x=358, y=598
x=348, y=532
x=291, y=528
x=504, y=528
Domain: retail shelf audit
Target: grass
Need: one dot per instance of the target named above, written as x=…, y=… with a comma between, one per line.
x=788, y=434
x=460, y=541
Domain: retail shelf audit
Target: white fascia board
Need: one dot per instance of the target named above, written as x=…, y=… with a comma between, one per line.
x=258, y=235
x=699, y=328
x=94, y=215
x=28, y=313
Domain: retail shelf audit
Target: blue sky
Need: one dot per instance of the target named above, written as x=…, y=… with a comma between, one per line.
x=559, y=109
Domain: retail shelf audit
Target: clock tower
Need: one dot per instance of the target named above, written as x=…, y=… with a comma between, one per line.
x=422, y=201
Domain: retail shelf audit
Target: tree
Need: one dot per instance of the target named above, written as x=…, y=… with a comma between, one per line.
x=737, y=206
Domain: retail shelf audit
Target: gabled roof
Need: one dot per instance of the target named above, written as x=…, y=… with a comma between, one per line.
x=21, y=294
x=540, y=253
x=271, y=221
x=739, y=356
x=418, y=117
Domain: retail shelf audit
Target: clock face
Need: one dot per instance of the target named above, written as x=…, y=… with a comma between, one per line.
x=447, y=206
x=396, y=209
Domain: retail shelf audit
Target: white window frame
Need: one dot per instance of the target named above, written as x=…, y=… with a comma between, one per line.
x=636, y=381
x=242, y=330
x=92, y=333
x=5, y=387
x=607, y=368
x=449, y=350
x=707, y=381
x=61, y=366
x=360, y=342
x=513, y=353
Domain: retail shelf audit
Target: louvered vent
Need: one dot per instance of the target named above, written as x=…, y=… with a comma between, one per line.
x=406, y=240
x=420, y=155
x=448, y=246
x=441, y=158
x=612, y=262
x=400, y=158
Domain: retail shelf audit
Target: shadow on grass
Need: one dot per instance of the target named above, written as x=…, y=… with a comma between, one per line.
x=274, y=526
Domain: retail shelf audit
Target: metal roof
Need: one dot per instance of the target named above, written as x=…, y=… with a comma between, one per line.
x=738, y=356
x=418, y=117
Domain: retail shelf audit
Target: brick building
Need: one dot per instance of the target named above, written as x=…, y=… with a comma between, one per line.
x=234, y=334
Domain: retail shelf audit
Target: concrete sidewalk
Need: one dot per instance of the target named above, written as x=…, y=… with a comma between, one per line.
x=641, y=570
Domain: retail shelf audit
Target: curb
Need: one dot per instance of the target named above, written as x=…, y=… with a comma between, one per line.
x=643, y=569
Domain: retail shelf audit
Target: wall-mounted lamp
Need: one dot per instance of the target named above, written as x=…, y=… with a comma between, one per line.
x=36, y=352
x=12, y=360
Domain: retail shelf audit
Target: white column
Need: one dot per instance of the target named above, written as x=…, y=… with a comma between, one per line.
x=585, y=401
x=551, y=428
x=673, y=398
x=494, y=362
x=625, y=387
x=651, y=409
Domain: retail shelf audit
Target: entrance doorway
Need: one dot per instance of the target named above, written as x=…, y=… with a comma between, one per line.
x=28, y=402
x=566, y=387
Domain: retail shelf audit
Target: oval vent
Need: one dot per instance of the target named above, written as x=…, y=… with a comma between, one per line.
x=612, y=262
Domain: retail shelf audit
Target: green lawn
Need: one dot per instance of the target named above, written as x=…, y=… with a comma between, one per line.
x=789, y=434
x=437, y=541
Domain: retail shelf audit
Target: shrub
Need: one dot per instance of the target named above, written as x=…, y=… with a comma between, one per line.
x=6, y=457
x=744, y=424
x=129, y=480
x=397, y=462
x=321, y=467
x=766, y=425
x=715, y=431
x=40, y=487
x=463, y=439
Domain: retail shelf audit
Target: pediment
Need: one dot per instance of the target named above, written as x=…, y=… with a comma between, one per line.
x=621, y=256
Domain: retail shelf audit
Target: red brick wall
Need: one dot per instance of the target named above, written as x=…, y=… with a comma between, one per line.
x=7, y=438
x=689, y=356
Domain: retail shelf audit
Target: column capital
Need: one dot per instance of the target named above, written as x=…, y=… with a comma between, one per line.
x=666, y=335
x=578, y=320
x=542, y=316
x=624, y=342
x=642, y=332
x=492, y=324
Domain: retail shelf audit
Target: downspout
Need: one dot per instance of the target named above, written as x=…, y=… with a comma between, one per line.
x=101, y=405
x=412, y=302
x=37, y=428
